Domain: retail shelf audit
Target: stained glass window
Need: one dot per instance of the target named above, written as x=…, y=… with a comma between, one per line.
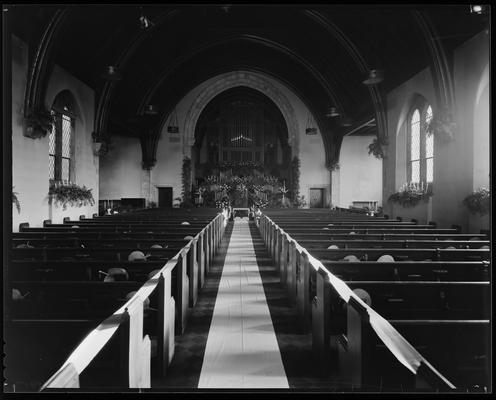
x=429, y=149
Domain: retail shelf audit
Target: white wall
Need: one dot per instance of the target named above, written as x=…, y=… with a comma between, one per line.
x=360, y=174
x=459, y=166
x=120, y=169
x=30, y=156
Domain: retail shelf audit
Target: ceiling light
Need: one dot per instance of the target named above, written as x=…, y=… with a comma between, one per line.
x=332, y=112
x=145, y=23
x=476, y=8
x=375, y=76
x=151, y=109
x=111, y=74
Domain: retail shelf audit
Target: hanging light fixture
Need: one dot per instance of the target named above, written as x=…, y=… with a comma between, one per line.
x=478, y=9
x=144, y=22
x=111, y=74
x=332, y=112
x=375, y=76
x=151, y=109
x=347, y=122
x=172, y=126
x=310, y=128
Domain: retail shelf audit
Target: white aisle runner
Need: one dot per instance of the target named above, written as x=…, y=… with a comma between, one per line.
x=242, y=349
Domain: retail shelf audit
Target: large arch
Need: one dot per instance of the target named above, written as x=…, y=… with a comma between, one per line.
x=223, y=82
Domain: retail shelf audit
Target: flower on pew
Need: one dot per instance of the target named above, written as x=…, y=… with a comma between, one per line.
x=17, y=295
x=332, y=246
x=385, y=258
x=188, y=237
x=136, y=256
x=351, y=258
x=156, y=246
x=185, y=223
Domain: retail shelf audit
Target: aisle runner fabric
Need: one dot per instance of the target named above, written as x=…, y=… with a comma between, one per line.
x=242, y=349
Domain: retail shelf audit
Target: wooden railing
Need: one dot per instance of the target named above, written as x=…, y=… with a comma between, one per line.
x=295, y=264
x=135, y=350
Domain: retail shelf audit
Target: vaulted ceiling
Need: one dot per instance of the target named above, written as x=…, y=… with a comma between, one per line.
x=321, y=52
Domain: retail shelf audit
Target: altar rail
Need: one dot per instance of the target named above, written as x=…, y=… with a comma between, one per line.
x=134, y=352
x=286, y=251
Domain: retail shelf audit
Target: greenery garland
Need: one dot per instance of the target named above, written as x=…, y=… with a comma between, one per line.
x=186, y=183
x=295, y=178
x=15, y=201
x=410, y=194
x=70, y=194
x=479, y=201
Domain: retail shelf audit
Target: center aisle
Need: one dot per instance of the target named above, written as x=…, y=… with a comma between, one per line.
x=242, y=349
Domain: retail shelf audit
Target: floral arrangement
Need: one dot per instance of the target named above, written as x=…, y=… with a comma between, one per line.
x=410, y=194
x=186, y=183
x=479, y=201
x=15, y=201
x=442, y=125
x=376, y=148
x=295, y=179
x=70, y=194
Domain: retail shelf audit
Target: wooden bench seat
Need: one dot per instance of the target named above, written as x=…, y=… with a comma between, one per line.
x=414, y=270
x=368, y=254
x=412, y=243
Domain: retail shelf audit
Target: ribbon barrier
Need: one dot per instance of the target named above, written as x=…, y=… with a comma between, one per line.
x=135, y=351
x=294, y=262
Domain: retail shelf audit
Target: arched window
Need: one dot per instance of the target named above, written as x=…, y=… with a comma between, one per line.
x=61, y=139
x=420, y=146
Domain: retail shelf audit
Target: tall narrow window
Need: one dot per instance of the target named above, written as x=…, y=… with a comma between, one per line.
x=415, y=148
x=420, y=146
x=429, y=149
x=61, y=139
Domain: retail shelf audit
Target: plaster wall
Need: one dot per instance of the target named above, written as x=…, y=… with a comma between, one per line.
x=120, y=169
x=360, y=174
x=30, y=156
x=460, y=165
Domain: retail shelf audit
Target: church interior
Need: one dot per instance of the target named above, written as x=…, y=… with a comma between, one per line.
x=281, y=197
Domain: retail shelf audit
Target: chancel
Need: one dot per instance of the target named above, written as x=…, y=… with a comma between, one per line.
x=288, y=198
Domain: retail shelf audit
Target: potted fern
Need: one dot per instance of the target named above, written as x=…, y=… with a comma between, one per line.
x=15, y=201
x=479, y=201
x=65, y=194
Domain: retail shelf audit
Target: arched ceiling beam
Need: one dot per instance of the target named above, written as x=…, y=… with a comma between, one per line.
x=361, y=63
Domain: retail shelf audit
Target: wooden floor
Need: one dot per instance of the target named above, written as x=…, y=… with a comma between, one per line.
x=242, y=332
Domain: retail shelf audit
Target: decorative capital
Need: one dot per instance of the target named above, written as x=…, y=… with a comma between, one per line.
x=377, y=147
x=148, y=164
x=333, y=166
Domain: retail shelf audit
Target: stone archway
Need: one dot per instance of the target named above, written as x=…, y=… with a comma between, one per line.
x=252, y=80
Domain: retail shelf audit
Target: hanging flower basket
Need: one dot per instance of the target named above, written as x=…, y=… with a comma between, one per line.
x=479, y=201
x=442, y=126
x=310, y=129
x=65, y=194
x=38, y=123
x=376, y=148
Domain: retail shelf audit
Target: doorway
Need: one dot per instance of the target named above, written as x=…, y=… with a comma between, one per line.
x=165, y=196
x=316, y=198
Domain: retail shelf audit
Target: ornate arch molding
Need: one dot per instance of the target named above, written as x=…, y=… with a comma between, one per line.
x=34, y=107
x=443, y=80
x=360, y=62
x=226, y=81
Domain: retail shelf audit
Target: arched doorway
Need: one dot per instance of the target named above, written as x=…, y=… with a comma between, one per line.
x=241, y=133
